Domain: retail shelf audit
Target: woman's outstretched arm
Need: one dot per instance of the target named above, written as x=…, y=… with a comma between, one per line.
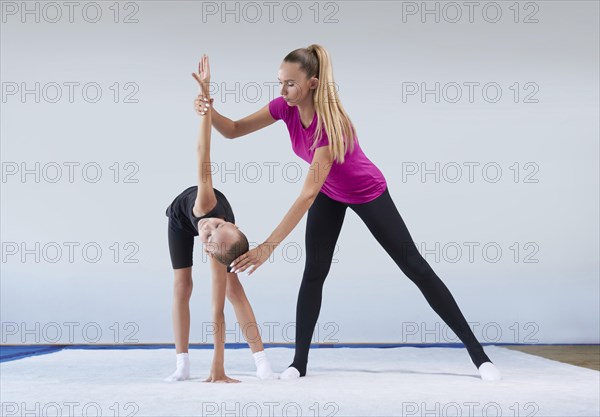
x=231, y=130
x=234, y=129
x=317, y=174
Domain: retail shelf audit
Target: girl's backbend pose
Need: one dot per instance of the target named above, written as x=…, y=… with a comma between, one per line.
x=340, y=177
x=204, y=211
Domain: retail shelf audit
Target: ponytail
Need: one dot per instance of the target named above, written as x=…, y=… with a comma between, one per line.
x=315, y=62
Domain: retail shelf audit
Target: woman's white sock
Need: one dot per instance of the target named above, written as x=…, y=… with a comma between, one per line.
x=263, y=367
x=489, y=372
x=290, y=373
x=182, y=371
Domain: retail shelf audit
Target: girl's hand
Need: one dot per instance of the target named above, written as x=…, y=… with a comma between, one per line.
x=203, y=75
x=218, y=375
x=252, y=259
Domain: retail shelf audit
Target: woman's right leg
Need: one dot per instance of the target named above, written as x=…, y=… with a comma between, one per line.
x=323, y=224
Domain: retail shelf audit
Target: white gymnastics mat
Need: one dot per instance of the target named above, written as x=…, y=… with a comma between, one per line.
x=406, y=381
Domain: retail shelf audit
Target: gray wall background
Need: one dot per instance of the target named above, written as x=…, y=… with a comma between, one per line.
x=528, y=209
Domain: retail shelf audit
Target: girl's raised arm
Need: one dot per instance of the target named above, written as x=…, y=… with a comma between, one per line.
x=205, y=198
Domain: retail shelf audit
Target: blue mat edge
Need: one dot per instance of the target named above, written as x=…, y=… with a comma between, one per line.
x=15, y=352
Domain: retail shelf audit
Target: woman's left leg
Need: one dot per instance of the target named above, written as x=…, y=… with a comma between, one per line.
x=385, y=223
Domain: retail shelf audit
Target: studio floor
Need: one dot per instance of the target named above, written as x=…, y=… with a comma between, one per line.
x=587, y=356
x=403, y=381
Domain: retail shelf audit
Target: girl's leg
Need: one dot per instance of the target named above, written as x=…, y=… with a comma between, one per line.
x=245, y=316
x=182, y=291
x=323, y=225
x=243, y=312
x=385, y=223
x=181, y=246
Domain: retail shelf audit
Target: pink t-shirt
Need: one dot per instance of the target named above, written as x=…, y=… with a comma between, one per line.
x=355, y=181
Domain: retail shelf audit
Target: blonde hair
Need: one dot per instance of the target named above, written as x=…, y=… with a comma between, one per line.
x=315, y=62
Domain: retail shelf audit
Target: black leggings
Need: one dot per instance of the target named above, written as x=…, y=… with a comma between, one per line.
x=323, y=225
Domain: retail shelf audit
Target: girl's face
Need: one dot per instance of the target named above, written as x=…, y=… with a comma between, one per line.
x=214, y=232
x=293, y=85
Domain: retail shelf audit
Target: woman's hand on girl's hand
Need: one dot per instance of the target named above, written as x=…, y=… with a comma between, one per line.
x=252, y=259
x=203, y=75
x=202, y=104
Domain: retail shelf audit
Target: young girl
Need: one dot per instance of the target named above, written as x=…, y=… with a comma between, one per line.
x=204, y=211
x=340, y=177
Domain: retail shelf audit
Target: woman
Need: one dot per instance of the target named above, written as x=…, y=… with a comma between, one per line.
x=340, y=176
x=204, y=211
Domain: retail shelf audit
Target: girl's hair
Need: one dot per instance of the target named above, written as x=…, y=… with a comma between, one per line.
x=226, y=255
x=315, y=62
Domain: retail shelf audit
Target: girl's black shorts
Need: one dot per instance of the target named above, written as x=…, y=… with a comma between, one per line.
x=181, y=246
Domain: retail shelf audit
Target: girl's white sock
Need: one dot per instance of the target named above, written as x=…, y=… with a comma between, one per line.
x=182, y=371
x=263, y=367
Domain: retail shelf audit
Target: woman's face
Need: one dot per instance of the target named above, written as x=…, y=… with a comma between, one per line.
x=215, y=232
x=293, y=85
